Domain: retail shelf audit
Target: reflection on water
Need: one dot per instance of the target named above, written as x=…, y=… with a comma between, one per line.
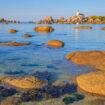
x=37, y=57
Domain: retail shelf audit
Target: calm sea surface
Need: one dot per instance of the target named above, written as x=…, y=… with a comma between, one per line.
x=38, y=57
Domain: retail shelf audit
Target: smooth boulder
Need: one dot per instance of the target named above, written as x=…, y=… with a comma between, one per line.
x=25, y=82
x=94, y=59
x=46, y=28
x=93, y=82
x=83, y=27
x=12, y=31
x=14, y=44
x=55, y=43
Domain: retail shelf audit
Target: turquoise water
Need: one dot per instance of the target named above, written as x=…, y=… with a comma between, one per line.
x=38, y=57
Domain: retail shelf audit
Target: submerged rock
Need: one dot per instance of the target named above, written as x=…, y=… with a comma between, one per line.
x=103, y=28
x=4, y=92
x=60, y=83
x=17, y=72
x=95, y=59
x=56, y=43
x=25, y=82
x=31, y=95
x=46, y=28
x=93, y=82
x=12, y=31
x=27, y=35
x=14, y=44
x=83, y=27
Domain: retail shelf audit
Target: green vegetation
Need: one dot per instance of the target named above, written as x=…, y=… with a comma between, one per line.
x=68, y=100
x=22, y=104
x=78, y=96
x=101, y=18
x=73, y=97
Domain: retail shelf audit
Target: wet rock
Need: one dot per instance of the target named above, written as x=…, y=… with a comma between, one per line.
x=43, y=75
x=31, y=95
x=27, y=35
x=95, y=59
x=25, y=82
x=14, y=44
x=93, y=82
x=4, y=92
x=53, y=91
x=12, y=100
x=55, y=43
x=46, y=28
x=12, y=31
x=83, y=27
x=47, y=92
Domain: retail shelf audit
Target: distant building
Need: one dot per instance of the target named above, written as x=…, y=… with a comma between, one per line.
x=78, y=14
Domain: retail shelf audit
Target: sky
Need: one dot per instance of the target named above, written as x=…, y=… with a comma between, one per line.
x=28, y=10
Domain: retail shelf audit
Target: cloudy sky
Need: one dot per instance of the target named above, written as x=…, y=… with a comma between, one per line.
x=35, y=9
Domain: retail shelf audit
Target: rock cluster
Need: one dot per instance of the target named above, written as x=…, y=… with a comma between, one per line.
x=2, y=20
x=93, y=82
x=74, y=19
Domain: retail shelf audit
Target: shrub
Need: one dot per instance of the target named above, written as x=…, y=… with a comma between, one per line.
x=68, y=100
x=78, y=96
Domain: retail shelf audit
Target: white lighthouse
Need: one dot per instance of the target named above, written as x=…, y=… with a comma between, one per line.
x=78, y=14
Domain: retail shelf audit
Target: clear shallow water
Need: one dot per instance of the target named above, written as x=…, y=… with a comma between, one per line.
x=37, y=57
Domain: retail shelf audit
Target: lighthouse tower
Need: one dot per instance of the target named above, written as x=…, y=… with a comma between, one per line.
x=78, y=13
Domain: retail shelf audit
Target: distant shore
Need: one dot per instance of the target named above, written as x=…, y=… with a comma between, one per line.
x=62, y=20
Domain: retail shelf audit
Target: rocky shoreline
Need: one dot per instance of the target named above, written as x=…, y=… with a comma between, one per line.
x=42, y=87
x=71, y=20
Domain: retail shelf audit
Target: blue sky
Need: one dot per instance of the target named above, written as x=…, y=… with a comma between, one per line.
x=34, y=9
